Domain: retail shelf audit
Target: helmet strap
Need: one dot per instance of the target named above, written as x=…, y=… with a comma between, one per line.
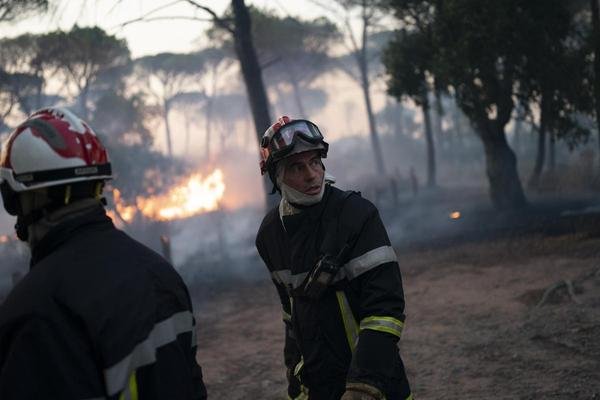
x=25, y=221
x=67, y=194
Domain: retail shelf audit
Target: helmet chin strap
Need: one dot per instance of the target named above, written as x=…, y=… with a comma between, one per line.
x=25, y=221
x=294, y=196
x=40, y=209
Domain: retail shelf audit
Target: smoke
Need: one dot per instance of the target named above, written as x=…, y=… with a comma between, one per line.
x=218, y=247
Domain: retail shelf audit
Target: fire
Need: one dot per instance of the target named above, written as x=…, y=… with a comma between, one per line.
x=116, y=220
x=125, y=212
x=192, y=196
x=4, y=238
x=455, y=215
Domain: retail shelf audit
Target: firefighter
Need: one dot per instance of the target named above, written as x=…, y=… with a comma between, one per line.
x=336, y=274
x=98, y=315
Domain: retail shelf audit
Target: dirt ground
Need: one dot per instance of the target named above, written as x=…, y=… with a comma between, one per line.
x=475, y=328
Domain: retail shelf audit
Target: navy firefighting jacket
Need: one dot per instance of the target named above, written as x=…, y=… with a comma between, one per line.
x=351, y=333
x=99, y=316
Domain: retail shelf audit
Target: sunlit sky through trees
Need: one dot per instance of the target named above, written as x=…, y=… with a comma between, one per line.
x=160, y=33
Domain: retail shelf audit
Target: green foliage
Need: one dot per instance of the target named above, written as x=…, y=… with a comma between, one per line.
x=287, y=47
x=123, y=119
x=408, y=59
x=172, y=64
x=82, y=53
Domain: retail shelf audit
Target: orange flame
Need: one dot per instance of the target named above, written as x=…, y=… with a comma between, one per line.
x=4, y=238
x=125, y=212
x=455, y=215
x=193, y=196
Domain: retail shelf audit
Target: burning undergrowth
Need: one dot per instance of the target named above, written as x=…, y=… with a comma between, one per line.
x=192, y=195
x=191, y=224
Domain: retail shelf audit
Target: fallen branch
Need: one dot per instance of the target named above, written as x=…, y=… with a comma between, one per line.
x=555, y=287
x=569, y=286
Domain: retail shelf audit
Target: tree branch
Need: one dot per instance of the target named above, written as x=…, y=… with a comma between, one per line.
x=166, y=17
x=223, y=23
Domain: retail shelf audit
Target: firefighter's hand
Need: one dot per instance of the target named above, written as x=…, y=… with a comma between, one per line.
x=361, y=391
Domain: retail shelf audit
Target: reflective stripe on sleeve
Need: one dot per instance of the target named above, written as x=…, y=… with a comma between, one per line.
x=282, y=276
x=302, y=396
x=285, y=277
x=369, y=260
x=298, y=367
x=352, y=269
x=131, y=391
x=286, y=317
x=164, y=332
x=383, y=324
x=350, y=325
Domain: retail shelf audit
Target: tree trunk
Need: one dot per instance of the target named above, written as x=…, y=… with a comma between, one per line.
x=517, y=135
x=187, y=133
x=552, y=152
x=431, y=181
x=83, y=95
x=534, y=180
x=398, y=125
x=166, y=108
x=253, y=80
x=506, y=191
x=363, y=67
x=208, y=129
x=596, y=46
x=379, y=163
x=439, y=117
x=298, y=98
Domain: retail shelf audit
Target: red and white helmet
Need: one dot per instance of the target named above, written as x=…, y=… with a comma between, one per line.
x=287, y=137
x=52, y=147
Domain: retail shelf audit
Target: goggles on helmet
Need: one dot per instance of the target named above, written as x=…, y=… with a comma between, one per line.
x=281, y=142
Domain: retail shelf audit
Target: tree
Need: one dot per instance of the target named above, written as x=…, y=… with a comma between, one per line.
x=11, y=10
x=293, y=52
x=22, y=57
x=553, y=78
x=217, y=61
x=479, y=50
x=16, y=89
x=81, y=55
x=240, y=28
x=409, y=64
x=190, y=106
x=595, y=45
x=166, y=76
x=362, y=51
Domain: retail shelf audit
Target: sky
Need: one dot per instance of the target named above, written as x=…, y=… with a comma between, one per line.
x=173, y=35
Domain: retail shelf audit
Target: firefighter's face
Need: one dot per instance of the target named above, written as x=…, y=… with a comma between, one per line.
x=304, y=172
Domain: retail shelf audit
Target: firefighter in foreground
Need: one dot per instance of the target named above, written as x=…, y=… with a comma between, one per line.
x=336, y=274
x=98, y=316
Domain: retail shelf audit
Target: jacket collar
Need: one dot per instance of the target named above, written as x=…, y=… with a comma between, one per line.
x=64, y=231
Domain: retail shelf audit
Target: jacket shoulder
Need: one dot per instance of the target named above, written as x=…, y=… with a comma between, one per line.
x=352, y=206
x=268, y=223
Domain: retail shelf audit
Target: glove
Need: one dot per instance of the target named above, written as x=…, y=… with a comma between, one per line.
x=296, y=391
x=362, y=391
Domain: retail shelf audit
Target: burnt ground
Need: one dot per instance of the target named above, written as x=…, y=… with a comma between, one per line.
x=475, y=328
